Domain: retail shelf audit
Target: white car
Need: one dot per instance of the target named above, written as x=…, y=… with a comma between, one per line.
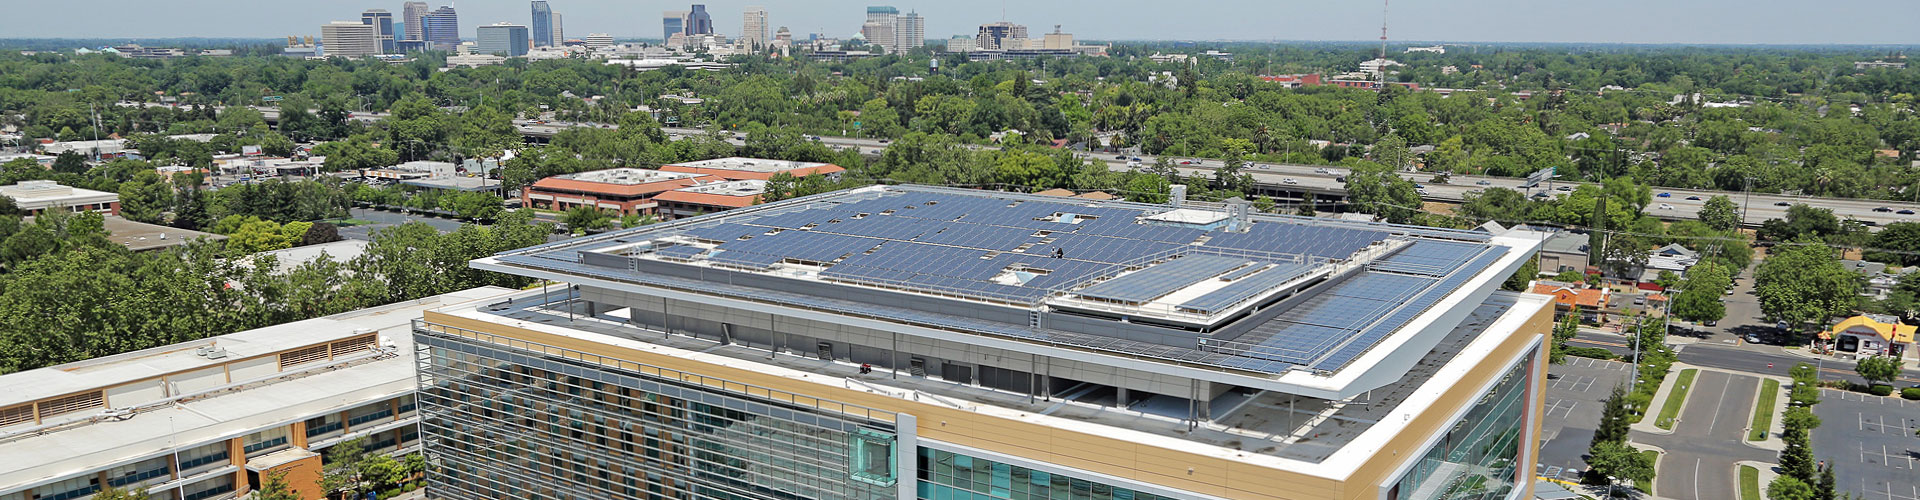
x=1664, y=206
x=1289, y=180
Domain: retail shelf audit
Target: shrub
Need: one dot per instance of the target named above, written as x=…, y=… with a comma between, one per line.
x=1590, y=352
x=1881, y=390
x=1910, y=393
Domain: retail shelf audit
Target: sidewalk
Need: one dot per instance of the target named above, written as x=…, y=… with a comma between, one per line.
x=1660, y=399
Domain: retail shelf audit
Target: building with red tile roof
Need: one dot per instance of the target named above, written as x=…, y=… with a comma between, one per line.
x=708, y=198
x=622, y=190
x=740, y=169
x=1589, y=303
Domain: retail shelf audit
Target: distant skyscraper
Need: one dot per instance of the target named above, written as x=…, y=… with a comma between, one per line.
x=673, y=22
x=698, y=22
x=754, y=29
x=910, y=32
x=501, y=38
x=559, y=32
x=349, y=39
x=878, y=33
x=382, y=23
x=442, y=28
x=542, y=24
x=410, y=13
x=994, y=35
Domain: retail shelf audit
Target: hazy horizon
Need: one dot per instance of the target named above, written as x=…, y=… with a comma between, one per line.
x=1645, y=22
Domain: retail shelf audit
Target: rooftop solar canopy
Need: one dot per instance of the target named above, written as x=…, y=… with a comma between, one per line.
x=1022, y=250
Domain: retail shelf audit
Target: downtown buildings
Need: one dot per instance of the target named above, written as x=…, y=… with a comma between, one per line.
x=542, y=24
x=753, y=27
x=382, y=23
x=506, y=39
x=892, y=31
x=441, y=27
x=350, y=39
x=898, y=342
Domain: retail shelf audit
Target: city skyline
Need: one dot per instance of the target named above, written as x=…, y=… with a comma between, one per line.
x=1498, y=21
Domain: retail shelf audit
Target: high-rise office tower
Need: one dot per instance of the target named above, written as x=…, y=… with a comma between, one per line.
x=673, y=22
x=410, y=14
x=559, y=31
x=1219, y=353
x=993, y=36
x=442, y=28
x=754, y=28
x=349, y=39
x=698, y=21
x=382, y=23
x=881, y=27
x=501, y=38
x=909, y=32
x=542, y=24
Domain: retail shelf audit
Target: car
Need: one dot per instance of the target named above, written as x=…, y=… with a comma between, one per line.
x=1289, y=180
x=1664, y=195
x=1321, y=171
x=1120, y=157
x=1419, y=187
x=1753, y=339
x=1693, y=198
x=1564, y=188
x=1882, y=209
x=1712, y=323
x=1484, y=183
x=1136, y=158
x=1905, y=211
x=883, y=141
x=1782, y=204
x=1187, y=162
x=1422, y=191
x=1664, y=206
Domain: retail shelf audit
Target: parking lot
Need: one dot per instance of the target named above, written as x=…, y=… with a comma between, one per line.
x=1871, y=442
x=1575, y=392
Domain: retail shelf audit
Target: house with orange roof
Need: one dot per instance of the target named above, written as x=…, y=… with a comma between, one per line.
x=1871, y=335
x=1589, y=303
x=709, y=197
x=740, y=169
x=622, y=190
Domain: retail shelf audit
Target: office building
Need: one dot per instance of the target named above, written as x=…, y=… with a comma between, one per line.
x=899, y=342
x=994, y=36
x=1057, y=40
x=442, y=28
x=878, y=33
x=211, y=418
x=673, y=22
x=909, y=32
x=410, y=14
x=382, y=23
x=707, y=198
x=349, y=39
x=559, y=31
x=620, y=190
x=506, y=39
x=598, y=41
x=962, y=43
x=753, y=29
x=737, y=168
x=698, y=21
x=34, y=197
x=542, y=24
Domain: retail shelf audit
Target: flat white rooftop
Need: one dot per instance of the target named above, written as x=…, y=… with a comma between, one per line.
x=629, y=176
x=751, y=164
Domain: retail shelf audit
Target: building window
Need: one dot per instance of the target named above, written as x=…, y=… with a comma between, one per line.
x=323, y=424
x=263, y=441
x=378, y=411
x=208, y=489
x=945, y=475
x=69, y=489
x=139, y=472
x=210, y=453
x=1476, y=459
x=871, y=460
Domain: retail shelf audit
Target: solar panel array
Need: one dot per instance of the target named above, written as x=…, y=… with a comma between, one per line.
x=1161, y=279
x=1245, y=286
x=1428, y=257
x=1318, y=241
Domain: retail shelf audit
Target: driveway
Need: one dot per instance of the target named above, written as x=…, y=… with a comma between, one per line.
x=1708, y=440
x=1870, y=441
x=1575, y=393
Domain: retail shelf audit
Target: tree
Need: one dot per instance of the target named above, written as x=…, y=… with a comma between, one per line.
x=276, y=488
x=486, y=132
x=145, y=198
x=1826, y=488
x=1565, y=330
x=1805, y=283
x=1618, y=460
x=1720, y=214
x=585, y=217
x=1616, y=417
x=1902, y=238
x=1878, y=369
x=1518, y=281
x=341, y=474
x=261, y=236
x=1699, y=297
x=69, y=162
x=1378, y=190
x=115, y=493
x=474, y=206
x=1790, y=488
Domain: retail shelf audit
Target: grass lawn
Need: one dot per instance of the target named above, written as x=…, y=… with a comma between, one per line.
x=1763, y=410
x=1675, y=398
x=1749, y=483
x=1652, y=456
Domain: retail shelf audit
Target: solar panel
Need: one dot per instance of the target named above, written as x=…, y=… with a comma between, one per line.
x=1262, y=280
x=1429, y=257
x=1161, y=279
x=725, y=232
x=681, y=252
x=1337, y=359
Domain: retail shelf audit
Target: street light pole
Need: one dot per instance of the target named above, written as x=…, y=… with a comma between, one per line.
x=1746, y=205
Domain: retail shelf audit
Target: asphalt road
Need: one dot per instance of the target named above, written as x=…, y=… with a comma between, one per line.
x=1708, y=439
x=1870, y=440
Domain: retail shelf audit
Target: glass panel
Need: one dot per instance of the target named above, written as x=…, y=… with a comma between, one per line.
x=950, y=475
x=1475, y=460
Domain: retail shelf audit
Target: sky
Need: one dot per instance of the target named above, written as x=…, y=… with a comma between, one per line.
x=1578, y=21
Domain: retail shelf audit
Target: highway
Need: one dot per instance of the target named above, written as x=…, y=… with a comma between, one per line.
x=1291, y=181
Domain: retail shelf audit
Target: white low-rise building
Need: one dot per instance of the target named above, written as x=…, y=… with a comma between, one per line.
x=38, y=196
